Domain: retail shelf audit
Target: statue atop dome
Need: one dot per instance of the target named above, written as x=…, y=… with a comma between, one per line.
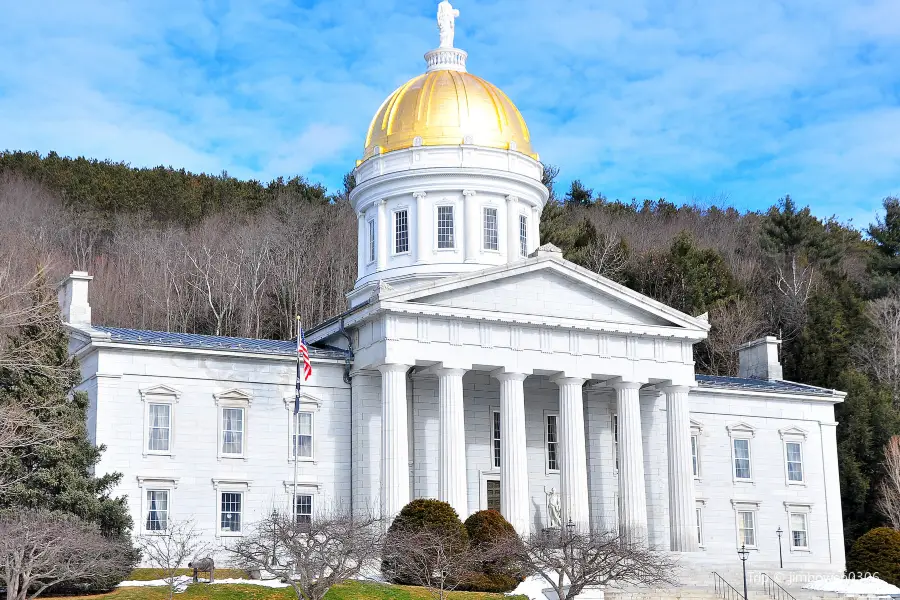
x=446, y=17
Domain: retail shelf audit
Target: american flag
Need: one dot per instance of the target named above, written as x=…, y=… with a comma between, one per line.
x=304, y=367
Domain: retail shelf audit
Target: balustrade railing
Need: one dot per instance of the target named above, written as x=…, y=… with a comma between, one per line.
x=774, y=589
x=724, y=589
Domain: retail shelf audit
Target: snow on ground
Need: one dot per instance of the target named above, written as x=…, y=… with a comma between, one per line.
x=867, y=585
x=182, y=581
x=533, y=587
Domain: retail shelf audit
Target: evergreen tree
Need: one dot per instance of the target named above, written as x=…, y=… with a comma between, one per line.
x=578, y=195
x=686, y=277
x=885, y=261
x=58, y=476
x=867, y=421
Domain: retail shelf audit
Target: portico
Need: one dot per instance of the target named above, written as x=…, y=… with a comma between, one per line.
x=456, y=379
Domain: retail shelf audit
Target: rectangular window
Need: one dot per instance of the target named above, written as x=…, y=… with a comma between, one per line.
x=742, y=459
x=445, y=227
x=695, y=455
x=495, y=437
x=699, y=526
x=794, y=461
x=303, y=509
x=372, y=241
x=493, y=494
x=303, y=435
x=401, y=232
x=552, y=443
x=747, y=528
x=523, y=235
x=157, y=510
x=798, y=531
x=230, y=513
x=160, y=417
x=616, y=439
x=491, y=239
x=233, y=431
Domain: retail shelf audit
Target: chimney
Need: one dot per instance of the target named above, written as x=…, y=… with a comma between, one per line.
x=759, y=359
x=73, y=299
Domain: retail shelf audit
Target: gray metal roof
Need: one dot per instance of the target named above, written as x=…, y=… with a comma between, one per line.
x=762, y=385
x=214, y=342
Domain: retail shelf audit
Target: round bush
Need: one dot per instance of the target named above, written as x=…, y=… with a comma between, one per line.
x=422, y=514
x=877, y=552
x=499, y=575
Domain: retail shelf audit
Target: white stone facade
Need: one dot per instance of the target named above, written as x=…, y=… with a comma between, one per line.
x=449, y=366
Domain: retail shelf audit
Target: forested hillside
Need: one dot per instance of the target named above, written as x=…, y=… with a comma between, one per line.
x=173, y=250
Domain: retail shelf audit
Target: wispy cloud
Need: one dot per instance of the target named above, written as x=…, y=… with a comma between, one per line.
x=752, y=99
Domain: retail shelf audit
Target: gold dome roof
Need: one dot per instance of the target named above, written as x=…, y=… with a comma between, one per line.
x=444, y=107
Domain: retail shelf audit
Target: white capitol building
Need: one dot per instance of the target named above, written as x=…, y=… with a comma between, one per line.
x=471, y=365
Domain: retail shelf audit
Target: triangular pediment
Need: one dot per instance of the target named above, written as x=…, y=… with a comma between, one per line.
x=550, y=288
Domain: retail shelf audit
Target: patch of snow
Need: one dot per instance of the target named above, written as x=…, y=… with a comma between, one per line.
x=856, y=587
x=533, y=587
x=182, y=582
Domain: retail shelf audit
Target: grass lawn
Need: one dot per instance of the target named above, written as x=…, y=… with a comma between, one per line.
x=354, y=590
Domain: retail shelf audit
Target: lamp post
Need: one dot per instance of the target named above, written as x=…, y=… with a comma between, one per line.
x=780, y=559
x=744, y=553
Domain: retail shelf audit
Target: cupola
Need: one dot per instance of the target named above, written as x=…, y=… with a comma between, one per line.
x=448, y=181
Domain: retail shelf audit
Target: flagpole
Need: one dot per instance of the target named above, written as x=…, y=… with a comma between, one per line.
x=296, y=437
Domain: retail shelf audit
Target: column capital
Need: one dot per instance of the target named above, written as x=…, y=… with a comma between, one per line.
x=361, y=215
x=469, y=192
x=512, y=198
x=561, y=380
x=419, y=195
x=675, y=389
x=380, y=202
x=393, y=368
x=444, y=371
x=626, y=385
x=501, y=375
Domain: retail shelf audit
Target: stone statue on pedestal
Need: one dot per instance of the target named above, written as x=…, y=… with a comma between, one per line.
x=553, y=510
x=446, y=17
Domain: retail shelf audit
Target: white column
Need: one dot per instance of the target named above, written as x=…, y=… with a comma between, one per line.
x=512, y=228
x=632, y=492
x=514, y=496
x=472, y=227
x=452, y=487
x=394, y=440
x=422, y=229
x=381, y=240
x=534, y=236
x=682, y=507
x=572, y=453
x=360, y=244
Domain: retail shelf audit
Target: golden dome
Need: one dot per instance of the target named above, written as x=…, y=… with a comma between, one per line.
x=444, y=107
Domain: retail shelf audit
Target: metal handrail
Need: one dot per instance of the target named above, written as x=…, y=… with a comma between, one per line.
x=724, y=589
x=774, y=589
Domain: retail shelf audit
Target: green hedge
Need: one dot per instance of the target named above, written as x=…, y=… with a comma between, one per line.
x=877, y=552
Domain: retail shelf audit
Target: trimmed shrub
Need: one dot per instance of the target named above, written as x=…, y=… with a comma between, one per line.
x=877, y=552
x=499, y=575
x=419, y=515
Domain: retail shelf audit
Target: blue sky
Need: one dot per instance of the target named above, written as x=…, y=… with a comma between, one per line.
x=736, y=102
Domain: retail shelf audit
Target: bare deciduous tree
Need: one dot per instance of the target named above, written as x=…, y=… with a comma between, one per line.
x=733, y=322
x=39, y=549
x=608, y=257
x=170, y=549
x=572, y=561
x=332, y=547
x=432, y=558
x=888, y=503
x=881, y=356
